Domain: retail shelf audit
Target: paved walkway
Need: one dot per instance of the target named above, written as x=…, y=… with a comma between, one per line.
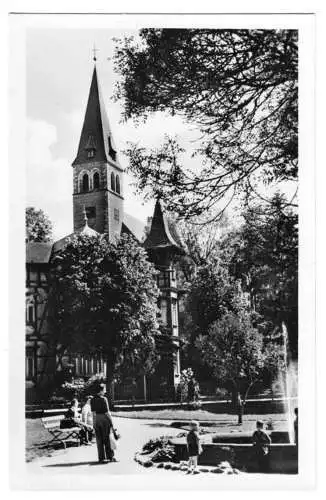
x=134, y=434
x=77, y=467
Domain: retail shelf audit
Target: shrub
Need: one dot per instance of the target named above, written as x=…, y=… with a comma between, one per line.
x=188, y=388
x=156, y=443
x=194, y=405
x=159, y=450
x=78, y=388
x=222, y=393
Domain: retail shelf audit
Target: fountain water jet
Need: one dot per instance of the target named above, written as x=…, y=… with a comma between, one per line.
x=289, y=382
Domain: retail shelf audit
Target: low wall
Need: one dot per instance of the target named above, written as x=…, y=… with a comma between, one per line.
x=283, y=458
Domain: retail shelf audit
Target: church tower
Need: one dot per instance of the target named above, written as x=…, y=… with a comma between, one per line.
x=98, y=175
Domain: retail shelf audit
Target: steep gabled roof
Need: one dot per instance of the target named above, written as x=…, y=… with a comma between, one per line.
x=96, y=133
x=135, y=226
x=162, y=234
x=38, y=253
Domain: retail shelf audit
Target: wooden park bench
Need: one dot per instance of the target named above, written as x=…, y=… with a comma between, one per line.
x=52, y=425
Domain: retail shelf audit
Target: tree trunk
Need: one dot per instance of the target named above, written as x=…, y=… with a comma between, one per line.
x=240, y=412
x=109, y=379
x=238, y=404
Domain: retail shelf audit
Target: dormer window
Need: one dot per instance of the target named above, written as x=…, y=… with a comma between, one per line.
x=112, y=152
x=90, y=147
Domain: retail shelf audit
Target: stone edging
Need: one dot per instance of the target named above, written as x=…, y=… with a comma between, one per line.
x=139, y=458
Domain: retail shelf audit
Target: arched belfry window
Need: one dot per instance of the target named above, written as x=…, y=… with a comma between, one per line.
x=96, y=181
x=112, y=181
x=85, y=182
x=117, y=184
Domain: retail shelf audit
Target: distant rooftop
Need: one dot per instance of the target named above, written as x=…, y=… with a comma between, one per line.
x=38, y=253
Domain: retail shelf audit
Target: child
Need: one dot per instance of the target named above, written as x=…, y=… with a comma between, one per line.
x=261, y=442
x=194, y=447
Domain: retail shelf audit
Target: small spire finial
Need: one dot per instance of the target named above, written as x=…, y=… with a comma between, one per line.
x=85, y=216
x=94, y=53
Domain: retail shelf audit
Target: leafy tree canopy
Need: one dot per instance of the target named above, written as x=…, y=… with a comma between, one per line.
x=38, y=225
x=238, y=86
x=105, y=297
x=236, y=352
x=263, y=254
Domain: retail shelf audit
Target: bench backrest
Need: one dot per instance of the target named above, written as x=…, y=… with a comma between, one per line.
x=51, y=422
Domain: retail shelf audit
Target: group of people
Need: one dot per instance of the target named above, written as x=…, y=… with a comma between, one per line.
x=95, y=416
x=260, y=439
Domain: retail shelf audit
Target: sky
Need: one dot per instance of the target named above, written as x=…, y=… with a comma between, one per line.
x=59, y=68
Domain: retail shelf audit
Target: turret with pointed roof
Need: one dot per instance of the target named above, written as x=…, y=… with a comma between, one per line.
x=98, y=175
x=164, y=247
x=163, y=234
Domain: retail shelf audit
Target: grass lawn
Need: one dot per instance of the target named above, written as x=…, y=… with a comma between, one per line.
x=37, y=439
x=195, y=415
x=224, y=422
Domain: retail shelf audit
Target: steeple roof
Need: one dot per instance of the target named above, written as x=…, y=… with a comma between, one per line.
x=163, y=234
x=88, y=231
x=96, y=141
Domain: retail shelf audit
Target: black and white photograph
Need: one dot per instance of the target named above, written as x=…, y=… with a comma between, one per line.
x=164, y=186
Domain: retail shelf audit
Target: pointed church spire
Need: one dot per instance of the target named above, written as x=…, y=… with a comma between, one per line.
x=96, y=141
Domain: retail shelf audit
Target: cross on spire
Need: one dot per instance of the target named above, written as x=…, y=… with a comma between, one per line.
x=94, y=53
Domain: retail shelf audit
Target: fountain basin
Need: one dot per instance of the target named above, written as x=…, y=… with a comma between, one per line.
x=283, y=457
x=277, y=437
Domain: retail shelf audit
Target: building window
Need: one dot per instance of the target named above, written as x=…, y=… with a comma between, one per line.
x=96, y=181
x=116, y=214
x=78, y=365
x=163, y=279
x=30, y=313
x=91, y=212
x=117, y=184
x=112, y=181
x=30, y=365
x=85, y=183
x=164, y=311
x=174, y=313
x=90, y=153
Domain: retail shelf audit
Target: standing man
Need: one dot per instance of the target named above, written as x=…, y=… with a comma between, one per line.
x=295, y=425
x=103, y=425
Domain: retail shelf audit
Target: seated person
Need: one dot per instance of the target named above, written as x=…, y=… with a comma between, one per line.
x=72, y=419
x=87, y=419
